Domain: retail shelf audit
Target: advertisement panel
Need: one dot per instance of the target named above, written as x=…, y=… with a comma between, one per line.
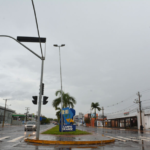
x=68, y=114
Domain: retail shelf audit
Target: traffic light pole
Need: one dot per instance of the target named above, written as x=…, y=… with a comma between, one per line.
x=40, y=99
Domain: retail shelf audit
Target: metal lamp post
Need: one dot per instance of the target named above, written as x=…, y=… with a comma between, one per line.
x=61, y=84
x=33, y=39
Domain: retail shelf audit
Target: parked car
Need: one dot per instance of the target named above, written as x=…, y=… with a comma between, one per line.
x=30, y=125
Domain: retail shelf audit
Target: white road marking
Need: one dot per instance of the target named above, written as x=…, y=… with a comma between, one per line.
x=143, y=137
x=127, y=139
x=133, y=137
x=33, y=137
x=4, y=137
x=14, y=140
x=116, y=138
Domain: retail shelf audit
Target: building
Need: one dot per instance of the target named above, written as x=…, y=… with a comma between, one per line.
x=129, y=119
x=79, y=118
x=8, y=115
x=92, y=119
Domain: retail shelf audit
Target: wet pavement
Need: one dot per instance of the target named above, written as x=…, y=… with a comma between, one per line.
x=13, y=139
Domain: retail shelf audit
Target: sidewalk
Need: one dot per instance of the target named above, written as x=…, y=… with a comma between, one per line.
x=144, y=130
x=70, y=139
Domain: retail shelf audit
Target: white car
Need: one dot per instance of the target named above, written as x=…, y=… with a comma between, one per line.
x=30, y=125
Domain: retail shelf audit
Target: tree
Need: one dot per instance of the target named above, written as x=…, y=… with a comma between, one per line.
x=68, y=101
x=45, y=120
x=58, y=113
x=95, y=106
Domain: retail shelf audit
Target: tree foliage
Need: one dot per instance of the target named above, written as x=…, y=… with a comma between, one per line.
x=45, y=120
x=95, y=106
x=68, y=101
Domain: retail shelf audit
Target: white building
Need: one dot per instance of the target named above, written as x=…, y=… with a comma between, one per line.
x=130, y=119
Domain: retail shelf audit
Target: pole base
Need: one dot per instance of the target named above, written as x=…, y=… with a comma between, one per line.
x=141, y=127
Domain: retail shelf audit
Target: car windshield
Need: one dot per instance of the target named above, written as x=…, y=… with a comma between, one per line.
x=31, y=123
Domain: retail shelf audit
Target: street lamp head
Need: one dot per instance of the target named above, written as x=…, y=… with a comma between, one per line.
x=55, y=45
x=62, y=45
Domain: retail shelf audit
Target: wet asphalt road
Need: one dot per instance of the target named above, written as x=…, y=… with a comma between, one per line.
x=133, y=140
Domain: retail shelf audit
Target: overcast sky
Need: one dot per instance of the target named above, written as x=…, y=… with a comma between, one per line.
x=106, y=58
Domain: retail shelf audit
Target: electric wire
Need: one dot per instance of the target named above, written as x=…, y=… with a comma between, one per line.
x=127, y=99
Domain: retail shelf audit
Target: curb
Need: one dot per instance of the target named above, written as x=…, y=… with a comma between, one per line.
x=69, y=142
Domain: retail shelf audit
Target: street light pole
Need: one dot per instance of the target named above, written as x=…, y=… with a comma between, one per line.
x=61, y=84
x=33, y=39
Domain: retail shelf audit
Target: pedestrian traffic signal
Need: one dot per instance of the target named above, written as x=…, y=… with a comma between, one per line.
x=34, y=100
x=42, y=88
x=45, y=100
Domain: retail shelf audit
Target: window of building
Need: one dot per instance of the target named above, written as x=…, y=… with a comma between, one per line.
x=128, y=122
x=122, y=123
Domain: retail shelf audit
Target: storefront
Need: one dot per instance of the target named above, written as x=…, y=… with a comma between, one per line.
x=123, y=120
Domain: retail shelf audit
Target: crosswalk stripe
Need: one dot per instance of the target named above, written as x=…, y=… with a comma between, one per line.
x=4, y=137
x=116, y=138
x=127, y=138
x=142, y=137
x=16, y=139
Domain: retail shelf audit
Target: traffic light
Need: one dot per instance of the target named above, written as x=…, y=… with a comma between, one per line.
x=34, y=100
x=45, y=100
x=42, y=88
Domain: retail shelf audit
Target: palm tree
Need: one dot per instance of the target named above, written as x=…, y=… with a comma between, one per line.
x=68, y=101
x=95, y=106
x=58, y=113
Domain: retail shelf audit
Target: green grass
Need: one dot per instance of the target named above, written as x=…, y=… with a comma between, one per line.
x=55, y=131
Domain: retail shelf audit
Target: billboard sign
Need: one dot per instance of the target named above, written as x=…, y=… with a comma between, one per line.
x=68, y=114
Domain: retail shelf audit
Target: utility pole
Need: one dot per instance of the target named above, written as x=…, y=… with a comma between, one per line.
x=91, y=117
x=103, y=115
x=4, y=112
x=139, y=101
x=27, y=108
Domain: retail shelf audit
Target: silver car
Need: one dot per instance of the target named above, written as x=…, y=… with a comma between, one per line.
x=31, y=125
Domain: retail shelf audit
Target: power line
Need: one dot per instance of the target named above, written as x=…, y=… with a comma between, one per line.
x=124, y=109
x=126, y=99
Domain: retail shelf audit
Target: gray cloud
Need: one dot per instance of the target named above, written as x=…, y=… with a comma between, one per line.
x=105, y=60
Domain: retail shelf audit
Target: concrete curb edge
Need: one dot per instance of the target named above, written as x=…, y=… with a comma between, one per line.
x=69, y=142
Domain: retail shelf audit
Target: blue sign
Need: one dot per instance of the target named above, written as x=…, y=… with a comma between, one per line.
x=68, y=114
x=67, y=128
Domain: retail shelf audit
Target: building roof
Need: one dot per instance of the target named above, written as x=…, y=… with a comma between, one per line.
x=121, y=115
x=7, y=109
